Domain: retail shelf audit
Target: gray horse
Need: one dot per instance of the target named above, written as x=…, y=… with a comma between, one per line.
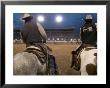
x=26, y=63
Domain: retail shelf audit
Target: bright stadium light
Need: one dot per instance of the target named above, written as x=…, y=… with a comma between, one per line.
x=53, y=39
x=59, y=19
x=48, y=38
x=71, y=39
x=61, y=38
x=40, y=18
x=57, y=38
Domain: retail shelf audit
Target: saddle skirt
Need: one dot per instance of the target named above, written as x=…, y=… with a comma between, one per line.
x=38, y=52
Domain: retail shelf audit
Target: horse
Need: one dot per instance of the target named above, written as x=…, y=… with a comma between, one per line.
x=86, y=61
x=28, y=63
x=89, y=61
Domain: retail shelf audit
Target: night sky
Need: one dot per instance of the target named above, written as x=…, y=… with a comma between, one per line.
x=70, y=20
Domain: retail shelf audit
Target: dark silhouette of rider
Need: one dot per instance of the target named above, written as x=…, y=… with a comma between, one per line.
x=88, y=32
x=33, y=34
x=88, y=36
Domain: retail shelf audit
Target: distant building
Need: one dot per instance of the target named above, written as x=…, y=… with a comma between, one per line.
x=55, y=34
x=60, y=34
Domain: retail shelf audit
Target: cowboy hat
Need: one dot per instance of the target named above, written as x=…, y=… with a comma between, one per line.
x=88, y=17
x=26, y=15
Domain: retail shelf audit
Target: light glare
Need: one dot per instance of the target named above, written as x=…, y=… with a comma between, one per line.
x=40, y=18
x=59, y=19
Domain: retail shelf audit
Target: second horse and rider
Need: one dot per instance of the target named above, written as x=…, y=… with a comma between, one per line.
x=88, y=36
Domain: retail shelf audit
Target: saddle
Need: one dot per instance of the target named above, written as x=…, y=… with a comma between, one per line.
x=41, y=51
x=38, y=52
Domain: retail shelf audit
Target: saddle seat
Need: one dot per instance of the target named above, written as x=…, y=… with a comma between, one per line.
x=38, y=52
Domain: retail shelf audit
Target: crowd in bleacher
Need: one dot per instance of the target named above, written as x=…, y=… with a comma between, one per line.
x=67, y=35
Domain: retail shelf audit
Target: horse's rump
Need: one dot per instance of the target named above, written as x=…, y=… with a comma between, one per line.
x=88, y=61
x=34, y=62
x=28, y=63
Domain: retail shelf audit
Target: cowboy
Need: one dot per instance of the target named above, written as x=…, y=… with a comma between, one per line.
x=88, y=35
x=33, y=34
x=88, y=32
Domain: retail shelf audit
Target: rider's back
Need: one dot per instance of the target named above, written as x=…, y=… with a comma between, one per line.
x=88, y=34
